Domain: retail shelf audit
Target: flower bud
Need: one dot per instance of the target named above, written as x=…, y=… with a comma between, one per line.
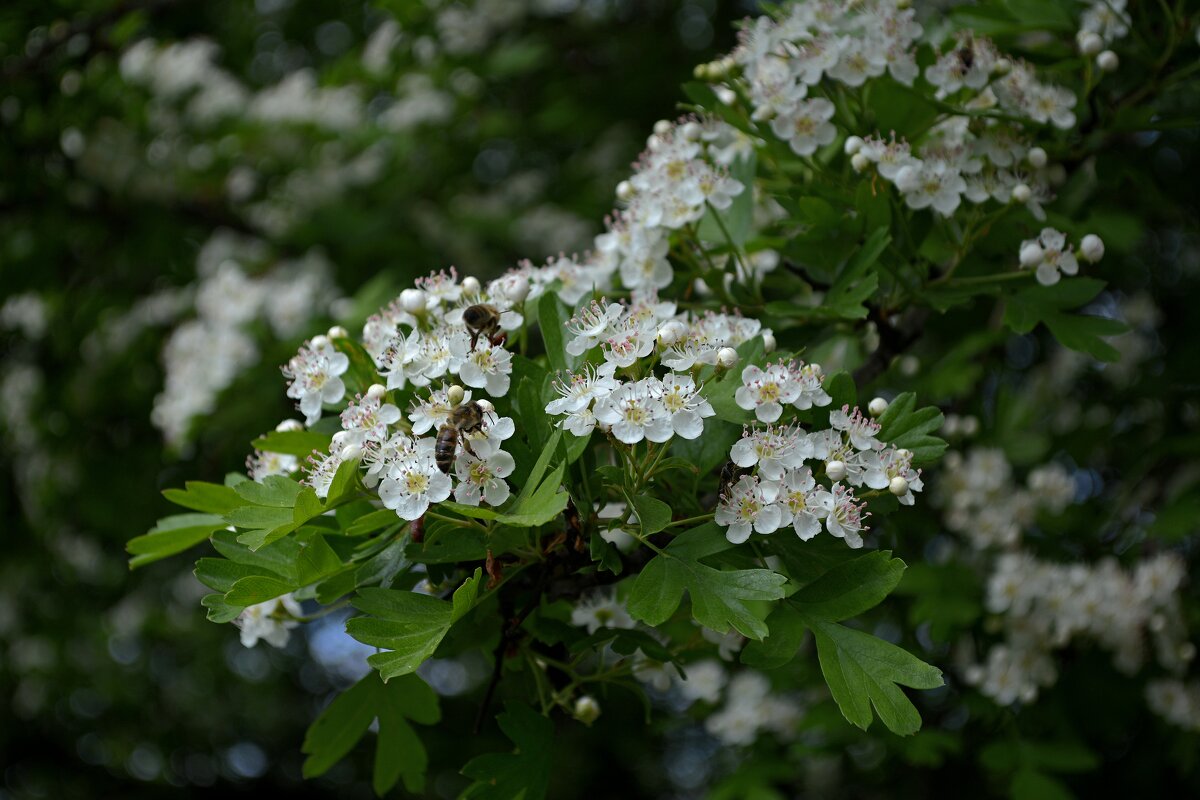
x=319, y=342
x=338, y=332
x=586, y=709
x=670, y=332
x=454, y=395
x=1031, y=254
x=1002, y=66
x=1036, y=157
x=692, y=131
x=700, y=73
x=1091, y=248
x=517, y=291
x=726, y=95
x=290, y=425
x=898, y=486
x=1021, y=193
x=727, y=358
x=413, y=301
x=662, y=127
x=486, y=405
x=470, y=285
x=909, y=365
x=853, y=145
x=768, y=341
x=376, y=391
x=351, y=452
x=836, y=470
x=625, y=190
x=859, y=162
x=1108, y=61
x=1089, y=43
x=904, y=454
x=877, y=406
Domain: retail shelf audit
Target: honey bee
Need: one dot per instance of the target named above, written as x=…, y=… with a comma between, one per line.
x=730, y=473
x=481, y=319
x=464, y=418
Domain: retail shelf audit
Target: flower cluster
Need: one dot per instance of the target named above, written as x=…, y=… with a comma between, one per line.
x=1046, y=605
x=782, y=489
x=981, y=501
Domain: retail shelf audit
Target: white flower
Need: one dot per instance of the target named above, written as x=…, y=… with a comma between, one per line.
x=860, y=59
x=687, y=409
x=646, y=266
x=704, y=681
x=707, y=185
x=601, y=609
x=415, y=483
x=314, y=377
x=692, y=349
x=881, y=468
x=1049, y=254
x=748, y=505
x=633, y=339
x=488, y=365
x=578, y=389
x=806, y=126
x=931, y=183
x=265, y=463
x=772, y=449
x=322, y=467
x=843, y=517
x=271, y=621
x=579, y=423
x=483, y=477
x=635, y=413
x=367, y=419
x=797, y=501
x=859, y=429
x=592, y=324
x=489, y=438
x=765, y=391
x=399, y=358
x=809, y=378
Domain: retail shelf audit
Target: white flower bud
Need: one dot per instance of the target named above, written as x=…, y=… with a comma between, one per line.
x=1031, y=254
x=517, y=292
x=727, y=358
x=768, y=341
x=1002, y=66
x=670, y=332
x=1021, y=193
x=290, y=425
x=586, y=709
x=700, y=72
x=898, y=486
x=1089, y=43
x=625, y=190
x=1108, y=61
x=859, y=162
x=653, y=141
x=486, y=405
x=319, y=342
x=836, y=470
x=470, y=285
x=454, y=395
x=338, y=332
x=877, y=406
x=1036, y=157
x=413, y=300
x=339, y=441
x=376, y=391
x=853, y=145
x=726, y=95
x=1091, y=247
x=351, y=452
x=904, y=453
x=692, y=131
x=662, y=127
x=969, y=426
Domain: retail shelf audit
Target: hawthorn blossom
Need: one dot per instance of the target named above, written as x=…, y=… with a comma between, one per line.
x=748, y=505
x=601, y=609
x=400, y=359
x=714, y=187
x=414, y=483
x=806, y=126
x=931, y=183
x=796, y=501
x=647, y=265
x=431, y=414
x=321, y=469
x=883, y=466
x=488, y=365
x=635, y=413
x=773, y=450
x=765, y=391
x=1049, y=255
x=314, y=376
x=264, y=463
x=271, y=621
x=843, y=517
x=483, y=478
x=592, y=324
x=687, y=409
x=367, y=418
x=809, y=378
x=859, y=429
x=577, y=390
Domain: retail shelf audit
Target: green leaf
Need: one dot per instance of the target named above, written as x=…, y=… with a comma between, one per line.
x=524, y=773
x=398, y=753
x=552, y=319
x=219, y=611
x=542, y=506
x=293, y=443
x=211, y=498
x=851, y=588
x=718, y=597
x=1049, y=304
x=256, y=589
x=654, y=515
x=276, y=491
x=863, y=671
x=171, y=535
x=904, y=425
x=408, y=625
